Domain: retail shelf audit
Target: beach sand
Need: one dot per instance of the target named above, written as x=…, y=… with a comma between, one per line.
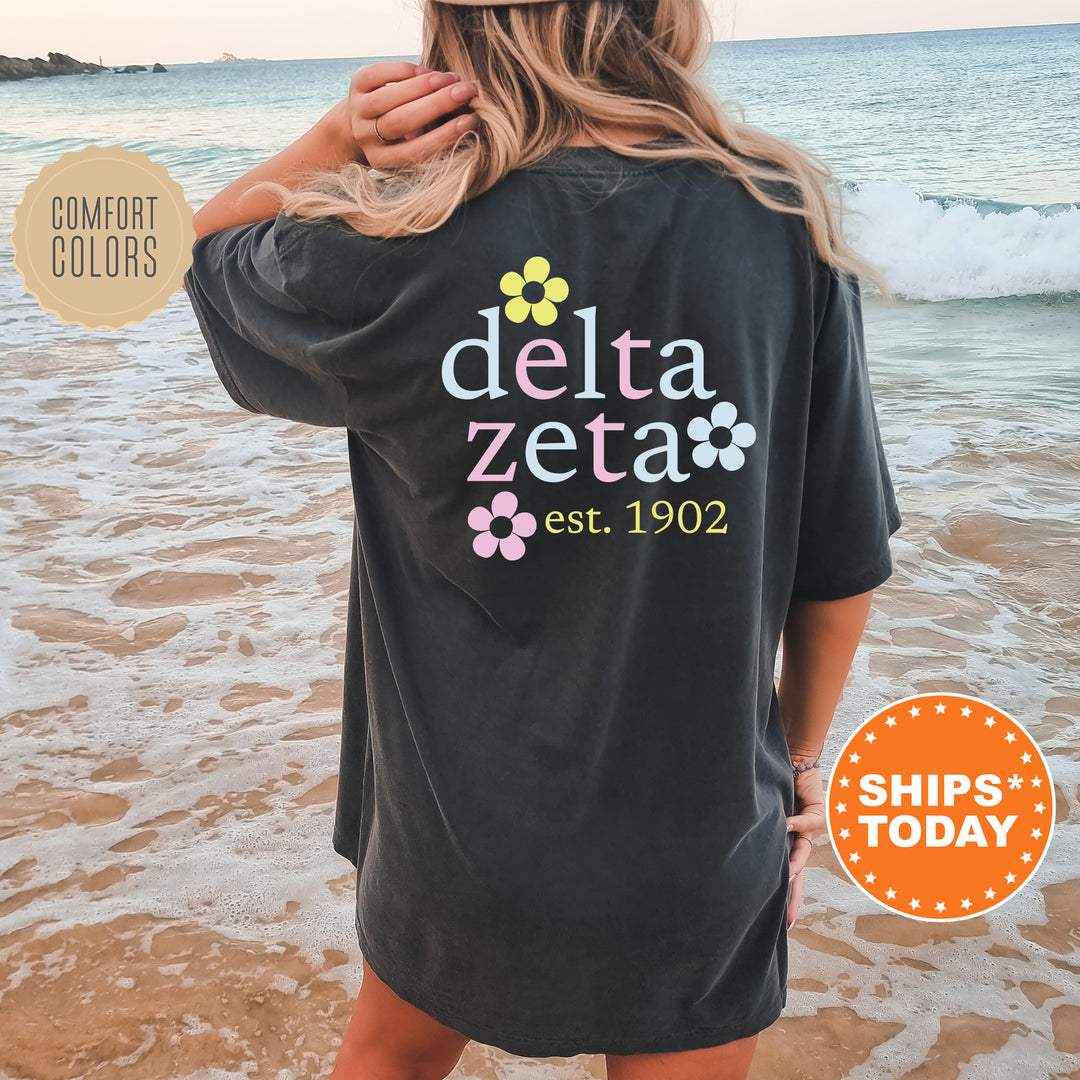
x=170, y=903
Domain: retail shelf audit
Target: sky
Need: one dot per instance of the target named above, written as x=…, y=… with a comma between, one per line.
x=142, y=32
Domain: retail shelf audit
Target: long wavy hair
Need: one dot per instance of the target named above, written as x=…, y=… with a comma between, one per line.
x=553, y=71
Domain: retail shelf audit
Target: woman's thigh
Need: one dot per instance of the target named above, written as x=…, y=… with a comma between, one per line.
x=728, y=1062
x=389, y=1039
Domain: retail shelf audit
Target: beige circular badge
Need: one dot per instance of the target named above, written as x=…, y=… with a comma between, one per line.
x=103, y=237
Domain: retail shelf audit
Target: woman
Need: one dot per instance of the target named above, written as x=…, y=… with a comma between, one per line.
x=597, y=349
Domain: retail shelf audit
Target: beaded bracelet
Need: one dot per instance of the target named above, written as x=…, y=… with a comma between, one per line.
x=796, y=769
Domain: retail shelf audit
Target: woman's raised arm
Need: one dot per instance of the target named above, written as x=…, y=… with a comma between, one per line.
x=404, y=97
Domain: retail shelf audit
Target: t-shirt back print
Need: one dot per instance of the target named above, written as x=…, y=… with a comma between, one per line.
x=602, y=425
x=553, y=451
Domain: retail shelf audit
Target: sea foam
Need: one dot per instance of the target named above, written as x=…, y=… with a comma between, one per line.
x=933, y=247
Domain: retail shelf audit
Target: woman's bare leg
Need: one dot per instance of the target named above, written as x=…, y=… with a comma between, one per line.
x=728, y=1062
x=389, y=1039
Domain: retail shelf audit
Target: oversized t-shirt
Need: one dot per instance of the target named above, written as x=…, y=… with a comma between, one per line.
x=603, y=425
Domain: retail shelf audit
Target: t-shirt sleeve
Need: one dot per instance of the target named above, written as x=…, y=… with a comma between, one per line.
x=245, y=285
x=849, y=508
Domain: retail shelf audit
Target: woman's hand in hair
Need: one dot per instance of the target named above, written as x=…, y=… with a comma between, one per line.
x=415, y=107
x=419, y=112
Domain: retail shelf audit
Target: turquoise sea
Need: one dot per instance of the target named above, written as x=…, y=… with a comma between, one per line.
x=174, y=574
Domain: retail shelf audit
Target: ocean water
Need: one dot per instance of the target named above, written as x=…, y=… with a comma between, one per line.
x=175, y=571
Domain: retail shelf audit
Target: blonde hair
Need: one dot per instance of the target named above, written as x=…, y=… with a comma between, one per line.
x=552, y=71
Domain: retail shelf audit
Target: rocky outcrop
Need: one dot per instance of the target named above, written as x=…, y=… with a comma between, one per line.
x=228, y=58
x=14, y=67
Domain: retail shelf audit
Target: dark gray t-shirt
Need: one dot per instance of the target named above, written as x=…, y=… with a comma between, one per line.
x=603, y=424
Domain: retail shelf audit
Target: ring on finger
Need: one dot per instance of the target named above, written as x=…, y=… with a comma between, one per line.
x=381, y=136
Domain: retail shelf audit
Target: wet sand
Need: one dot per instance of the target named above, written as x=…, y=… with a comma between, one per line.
x=170, y=903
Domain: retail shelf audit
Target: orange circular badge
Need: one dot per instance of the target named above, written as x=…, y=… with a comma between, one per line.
x=940, y=807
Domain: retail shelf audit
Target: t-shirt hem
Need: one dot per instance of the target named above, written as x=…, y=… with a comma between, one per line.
x=342, y=849
x=563, y=1044
x=217, y=351
x=842, y=588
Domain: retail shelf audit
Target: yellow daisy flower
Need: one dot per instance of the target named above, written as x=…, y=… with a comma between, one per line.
x=534, y=293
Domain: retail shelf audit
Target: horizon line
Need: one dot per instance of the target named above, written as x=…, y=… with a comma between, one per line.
x=715, y=41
